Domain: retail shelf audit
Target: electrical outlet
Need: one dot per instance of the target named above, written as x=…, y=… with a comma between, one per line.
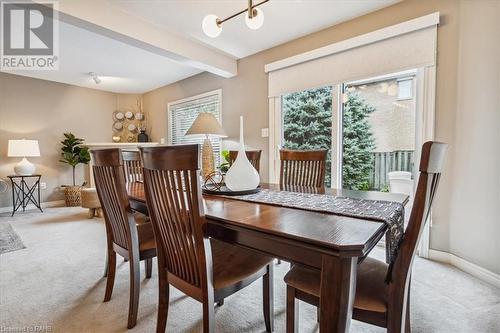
x=264, y=132
x=162, y=141
x=43, y=186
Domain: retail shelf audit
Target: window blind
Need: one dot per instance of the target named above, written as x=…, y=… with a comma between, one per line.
x=183, y=114
x=354, y=59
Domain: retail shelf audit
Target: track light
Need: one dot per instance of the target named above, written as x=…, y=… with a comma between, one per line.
x=96, y=78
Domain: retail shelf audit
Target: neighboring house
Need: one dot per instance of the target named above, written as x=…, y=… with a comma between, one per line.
x=393, y=122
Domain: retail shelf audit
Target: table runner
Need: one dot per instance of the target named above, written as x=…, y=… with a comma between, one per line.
x=391, y=213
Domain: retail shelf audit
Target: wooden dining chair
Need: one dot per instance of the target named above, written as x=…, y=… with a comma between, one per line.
x=133, y=165
x=303, y=168
x=127, y=233
x=382, y=296
x=252, y=155
x=206, y=269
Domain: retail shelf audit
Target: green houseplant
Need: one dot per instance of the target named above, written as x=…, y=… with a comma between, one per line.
x=73, y=153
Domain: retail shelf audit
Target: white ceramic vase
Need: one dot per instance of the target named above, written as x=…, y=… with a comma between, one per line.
x=242, y=176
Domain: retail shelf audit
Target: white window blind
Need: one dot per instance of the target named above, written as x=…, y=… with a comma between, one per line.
x=407, y=45
x=183, y=113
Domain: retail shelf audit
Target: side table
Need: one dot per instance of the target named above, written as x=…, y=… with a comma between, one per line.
x=24, y=193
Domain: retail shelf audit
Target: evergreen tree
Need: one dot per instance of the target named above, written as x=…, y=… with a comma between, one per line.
x=307, y=120
x=358, y=144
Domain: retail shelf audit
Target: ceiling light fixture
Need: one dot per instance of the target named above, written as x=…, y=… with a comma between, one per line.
x=96, y=78
x=254, y=19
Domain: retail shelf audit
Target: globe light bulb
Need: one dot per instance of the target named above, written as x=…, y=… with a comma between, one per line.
x=210, y=26
x=256, y=21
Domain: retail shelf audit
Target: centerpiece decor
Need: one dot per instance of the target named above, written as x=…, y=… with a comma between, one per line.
x=73, y=153
x=242, y=176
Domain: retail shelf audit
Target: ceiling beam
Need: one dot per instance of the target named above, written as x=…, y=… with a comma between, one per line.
x=100, y=17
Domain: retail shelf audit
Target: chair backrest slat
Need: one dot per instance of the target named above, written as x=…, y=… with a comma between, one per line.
x=431, y=166
x=252, y=155
x=303, y=168
x=110, y=185
x=132, y=166
x=173, y=192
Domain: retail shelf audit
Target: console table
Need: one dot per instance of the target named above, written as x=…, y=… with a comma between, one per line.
x=24, y=193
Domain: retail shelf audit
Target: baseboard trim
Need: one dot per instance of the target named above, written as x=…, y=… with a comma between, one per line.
x=48, y=204
x=466, y=266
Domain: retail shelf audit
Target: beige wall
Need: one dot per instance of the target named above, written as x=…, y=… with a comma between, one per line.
x=44, y=110
x=474, y=213
x=246, y=94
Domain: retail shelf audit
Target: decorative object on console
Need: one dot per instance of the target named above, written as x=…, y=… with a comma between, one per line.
x=23, y=148
x=73, y=153
x=254, y=19
x=206, y=124
x=143, y=136
x=242, y=175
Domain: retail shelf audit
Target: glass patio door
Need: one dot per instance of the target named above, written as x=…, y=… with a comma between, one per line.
x=307, y=122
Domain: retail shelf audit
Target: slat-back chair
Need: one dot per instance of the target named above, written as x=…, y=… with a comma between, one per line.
x=303, y=168
x=133, y=165
x=382, y=294
x=205, y=269
x=127, y=235
x=253, y=157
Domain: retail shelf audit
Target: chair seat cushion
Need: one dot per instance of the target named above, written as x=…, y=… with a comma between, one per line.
x=371, y=289
x=232, y=264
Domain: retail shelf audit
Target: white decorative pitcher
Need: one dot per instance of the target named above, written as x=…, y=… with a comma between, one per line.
x=242, y=176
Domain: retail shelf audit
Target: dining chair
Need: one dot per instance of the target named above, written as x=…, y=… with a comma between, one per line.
x=382, y=296
x=303, y=167
x=206, y=269
x=133, y=165
x=127, y=233
x=252, y=155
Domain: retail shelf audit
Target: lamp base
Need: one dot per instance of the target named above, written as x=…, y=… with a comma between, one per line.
x=24, y=168
x=207, y=158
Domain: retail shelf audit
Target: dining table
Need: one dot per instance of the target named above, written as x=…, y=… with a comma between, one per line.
x=332, y=244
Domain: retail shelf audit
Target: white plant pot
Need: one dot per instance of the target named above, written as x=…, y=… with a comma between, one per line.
x=242, y=176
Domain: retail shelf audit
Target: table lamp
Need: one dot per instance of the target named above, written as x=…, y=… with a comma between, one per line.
x=23, y=148
x=206, y=124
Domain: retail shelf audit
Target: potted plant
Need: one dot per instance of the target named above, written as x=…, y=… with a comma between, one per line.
x=73, y=153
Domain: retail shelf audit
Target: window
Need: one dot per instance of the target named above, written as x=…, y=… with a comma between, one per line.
x=182, y=113
x=405, y=89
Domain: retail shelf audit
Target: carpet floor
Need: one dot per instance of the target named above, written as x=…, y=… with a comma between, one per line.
x=56, y=284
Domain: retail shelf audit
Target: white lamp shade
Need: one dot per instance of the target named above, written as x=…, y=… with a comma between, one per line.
x=210, y=26
x=257, y=21
x=23, y=148
x=206, y=124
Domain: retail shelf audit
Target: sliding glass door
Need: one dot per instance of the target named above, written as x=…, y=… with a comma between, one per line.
x=378, y=121
x=307, y=122
x=368, y=126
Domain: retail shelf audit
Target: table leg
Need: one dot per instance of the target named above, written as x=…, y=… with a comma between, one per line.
x=338, y=286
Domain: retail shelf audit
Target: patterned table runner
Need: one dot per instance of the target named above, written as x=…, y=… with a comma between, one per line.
x=391, y=213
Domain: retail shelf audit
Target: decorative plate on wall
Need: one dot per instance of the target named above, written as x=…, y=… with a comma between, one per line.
x=131, y=127
x=139, y=116
x=117, y=126
x=129, y=115
x=118, y=115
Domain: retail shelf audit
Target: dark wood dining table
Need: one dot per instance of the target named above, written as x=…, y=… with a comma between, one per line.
x=330, y=243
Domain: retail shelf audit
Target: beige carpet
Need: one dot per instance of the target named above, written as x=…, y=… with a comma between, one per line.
x=56, y=281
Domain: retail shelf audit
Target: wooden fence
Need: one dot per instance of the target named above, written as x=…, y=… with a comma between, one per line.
x=385, y=162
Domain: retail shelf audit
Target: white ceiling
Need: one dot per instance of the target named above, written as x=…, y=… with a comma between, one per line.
x=127, y=66
x=284, y=20
x=122, y=68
